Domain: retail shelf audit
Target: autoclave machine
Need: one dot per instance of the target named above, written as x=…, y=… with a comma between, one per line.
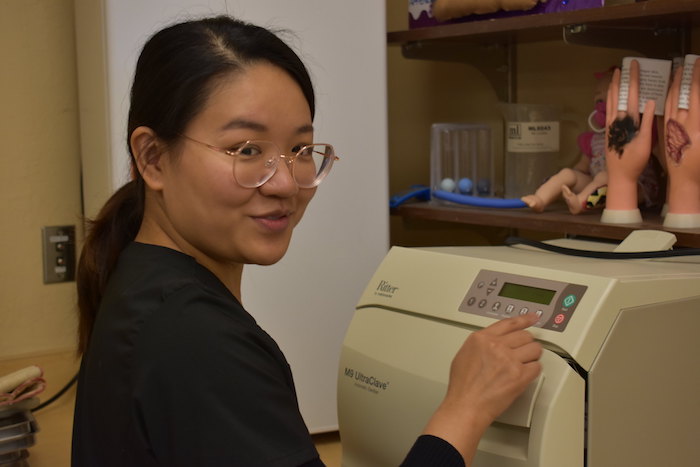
x=620, y=380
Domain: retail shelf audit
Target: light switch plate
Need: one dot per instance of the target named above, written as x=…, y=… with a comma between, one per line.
x=58, y=243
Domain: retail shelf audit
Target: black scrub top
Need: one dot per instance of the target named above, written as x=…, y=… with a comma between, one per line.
x=177, y=373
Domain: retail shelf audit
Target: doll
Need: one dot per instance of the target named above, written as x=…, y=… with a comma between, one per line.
x=588, y=175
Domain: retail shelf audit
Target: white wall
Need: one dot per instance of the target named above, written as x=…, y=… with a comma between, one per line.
x=306, y=301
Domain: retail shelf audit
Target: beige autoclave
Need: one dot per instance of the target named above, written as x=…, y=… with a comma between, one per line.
x=620, y=381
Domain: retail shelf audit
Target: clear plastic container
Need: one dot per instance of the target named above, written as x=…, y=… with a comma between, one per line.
x=461, y=160
x=531, y=146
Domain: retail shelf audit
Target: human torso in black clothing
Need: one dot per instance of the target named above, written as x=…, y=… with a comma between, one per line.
x=178, y=373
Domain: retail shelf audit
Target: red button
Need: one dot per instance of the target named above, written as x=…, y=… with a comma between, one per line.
x=559, y=318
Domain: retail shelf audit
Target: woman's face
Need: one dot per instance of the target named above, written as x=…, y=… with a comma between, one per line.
x=206, y=213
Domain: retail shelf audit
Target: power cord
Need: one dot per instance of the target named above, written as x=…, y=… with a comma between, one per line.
x=601, y=254
x=53, y=398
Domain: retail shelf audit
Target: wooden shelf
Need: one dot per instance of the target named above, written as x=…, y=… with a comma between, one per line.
x=655, y=14
x=655, y=28
x=556, y=220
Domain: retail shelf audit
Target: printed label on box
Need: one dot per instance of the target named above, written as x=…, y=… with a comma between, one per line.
x=532, y=137
x=686, y=80
x=653, y=83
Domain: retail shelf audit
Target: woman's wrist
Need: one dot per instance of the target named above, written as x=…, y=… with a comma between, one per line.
x=462, y=428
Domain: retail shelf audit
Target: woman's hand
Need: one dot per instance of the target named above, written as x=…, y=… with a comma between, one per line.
x=491, y=369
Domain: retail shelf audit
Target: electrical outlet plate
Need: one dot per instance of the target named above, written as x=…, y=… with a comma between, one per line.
x=58, y=253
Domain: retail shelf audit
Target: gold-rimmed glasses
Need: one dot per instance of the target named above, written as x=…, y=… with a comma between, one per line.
x=256, y=161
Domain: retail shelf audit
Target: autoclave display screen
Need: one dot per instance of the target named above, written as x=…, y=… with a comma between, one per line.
x=529, y=294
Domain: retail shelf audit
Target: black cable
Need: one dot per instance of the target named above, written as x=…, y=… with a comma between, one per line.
x=57, y=395
x=602, y=254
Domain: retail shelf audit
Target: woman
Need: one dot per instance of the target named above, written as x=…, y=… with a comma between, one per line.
x=175, y=371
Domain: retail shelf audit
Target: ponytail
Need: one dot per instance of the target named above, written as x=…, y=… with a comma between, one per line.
x=108, y=234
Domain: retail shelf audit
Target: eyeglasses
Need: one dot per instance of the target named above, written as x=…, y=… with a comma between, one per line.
x=255, y=162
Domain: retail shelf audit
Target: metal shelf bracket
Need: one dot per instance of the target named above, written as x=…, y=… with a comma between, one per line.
x=497, y=61
x=664, y=42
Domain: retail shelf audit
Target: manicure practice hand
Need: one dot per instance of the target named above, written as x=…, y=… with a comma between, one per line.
x=626, y=161
x=682, y=146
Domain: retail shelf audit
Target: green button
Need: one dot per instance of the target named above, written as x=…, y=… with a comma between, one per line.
x=569, y=300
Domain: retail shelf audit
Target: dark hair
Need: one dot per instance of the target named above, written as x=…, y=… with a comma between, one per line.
x=175, y=73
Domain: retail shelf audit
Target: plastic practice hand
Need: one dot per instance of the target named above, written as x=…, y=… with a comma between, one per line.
x=682, y=146
x=628, y=144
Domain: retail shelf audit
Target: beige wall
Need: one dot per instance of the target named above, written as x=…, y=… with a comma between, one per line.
x=39, y=170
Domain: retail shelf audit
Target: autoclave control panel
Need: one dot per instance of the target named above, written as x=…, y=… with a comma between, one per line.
x=498, y=294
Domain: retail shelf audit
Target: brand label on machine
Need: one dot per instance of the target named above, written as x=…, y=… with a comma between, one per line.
x=385, y=289
x=369, y=383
